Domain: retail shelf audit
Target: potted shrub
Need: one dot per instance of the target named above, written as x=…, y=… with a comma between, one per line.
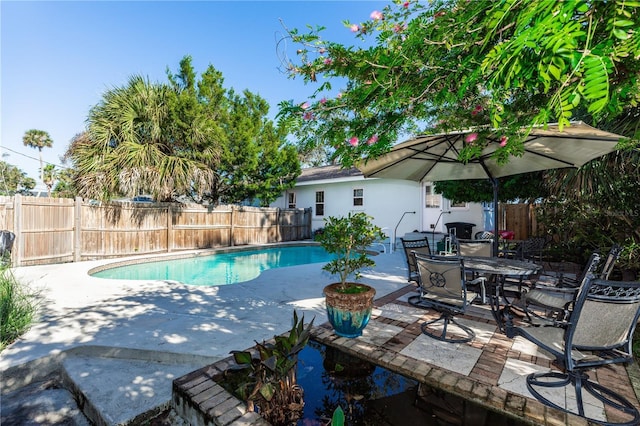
x=349, y=303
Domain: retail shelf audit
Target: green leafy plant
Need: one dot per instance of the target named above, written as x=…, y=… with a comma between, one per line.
x=348, y=237
x=338, y=417
x=629, y=260
x=447, y=65
x=269, y=382
x=17, y=308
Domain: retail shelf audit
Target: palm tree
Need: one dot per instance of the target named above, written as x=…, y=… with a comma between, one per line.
x=37, y=139
x=131, y=146
x=50, y=175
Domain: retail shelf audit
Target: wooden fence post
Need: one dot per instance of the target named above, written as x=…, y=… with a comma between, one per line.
x=169, y=228
x=278, y=225
x=77, y=230
x=231, y=230
x=18, y=243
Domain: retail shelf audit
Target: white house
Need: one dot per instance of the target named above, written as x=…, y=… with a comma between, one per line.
x=399, y=206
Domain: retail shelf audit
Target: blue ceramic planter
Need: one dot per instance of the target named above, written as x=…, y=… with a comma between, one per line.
x=349, y=313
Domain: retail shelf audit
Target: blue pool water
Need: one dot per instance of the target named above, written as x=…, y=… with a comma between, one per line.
x=220, y=268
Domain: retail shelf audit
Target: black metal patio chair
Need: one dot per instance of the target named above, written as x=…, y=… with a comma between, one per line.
x=443, y=287
x=474, y=248
x=557, y=300
x=531, y=249
x=421, y=246
x=598, y=333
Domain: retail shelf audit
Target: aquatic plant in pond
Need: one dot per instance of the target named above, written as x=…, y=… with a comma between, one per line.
x=372, y=395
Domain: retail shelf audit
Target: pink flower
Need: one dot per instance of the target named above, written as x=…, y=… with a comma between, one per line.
x=503, y=140
x=376, y=15
x=398, y=28
x=328, y=61
x=322, y=50
x=471, y=137
x=355, y=28
x=339, y=95
x=373, y=139
x=305, y=105
x=323, y=101
x=354, y=141
x=406, y=5
x=308, y=115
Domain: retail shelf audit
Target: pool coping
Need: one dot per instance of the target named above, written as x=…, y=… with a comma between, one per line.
x=193, y=254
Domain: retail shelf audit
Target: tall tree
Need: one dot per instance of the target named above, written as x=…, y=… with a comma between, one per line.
x=452, y=64
x=14, y=181
x=132, y=146
x=49, y=177
x=65, y=187
x=37, y=139
x=256, y=162
x=203, y=105
x=523, y=187
x=188, y=138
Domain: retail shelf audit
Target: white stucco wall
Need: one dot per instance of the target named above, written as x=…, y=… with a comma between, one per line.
x=472, y=213
x=384, y=199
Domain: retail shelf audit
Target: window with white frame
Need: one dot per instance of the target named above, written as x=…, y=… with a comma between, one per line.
x=319, y=203
x=431, y=199
x=358, y=197
x=291, y=200
x=459, y=205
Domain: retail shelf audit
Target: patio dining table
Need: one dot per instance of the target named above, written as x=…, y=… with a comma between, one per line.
x=499, y=269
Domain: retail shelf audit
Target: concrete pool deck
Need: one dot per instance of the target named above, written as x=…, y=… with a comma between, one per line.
x=137, y=336
x=121, y=344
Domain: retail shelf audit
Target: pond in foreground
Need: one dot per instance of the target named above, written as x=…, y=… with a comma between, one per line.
x=374, y=396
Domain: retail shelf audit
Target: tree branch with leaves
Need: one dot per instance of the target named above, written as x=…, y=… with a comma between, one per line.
x=451, y=65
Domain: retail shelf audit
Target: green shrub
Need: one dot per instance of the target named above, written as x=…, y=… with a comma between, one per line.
x=347, y=237
x=17, y=308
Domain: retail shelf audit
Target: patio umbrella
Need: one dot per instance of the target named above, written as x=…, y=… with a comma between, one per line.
x=435, y=157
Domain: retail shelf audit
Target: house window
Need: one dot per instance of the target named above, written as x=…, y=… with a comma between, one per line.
x=319, y=203
x=459, y=205
x=291, y=200
x=431, y=199
x=358, y=199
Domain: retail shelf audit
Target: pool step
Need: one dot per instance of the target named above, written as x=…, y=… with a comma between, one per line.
x=111, y=386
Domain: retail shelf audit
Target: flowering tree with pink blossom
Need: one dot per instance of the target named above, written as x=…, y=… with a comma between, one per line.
x=456, y=64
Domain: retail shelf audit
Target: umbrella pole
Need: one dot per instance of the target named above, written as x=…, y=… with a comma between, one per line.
x=496, y=235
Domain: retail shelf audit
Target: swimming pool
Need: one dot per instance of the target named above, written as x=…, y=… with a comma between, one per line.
x=217, y=269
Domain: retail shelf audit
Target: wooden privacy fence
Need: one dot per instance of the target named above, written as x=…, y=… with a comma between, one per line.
x=55, y=230
x=519, y=218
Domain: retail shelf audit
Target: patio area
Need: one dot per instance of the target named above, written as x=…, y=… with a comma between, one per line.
x=131, y=349
x=490, y=370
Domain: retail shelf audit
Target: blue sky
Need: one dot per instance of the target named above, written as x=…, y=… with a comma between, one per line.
x=58, y=58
